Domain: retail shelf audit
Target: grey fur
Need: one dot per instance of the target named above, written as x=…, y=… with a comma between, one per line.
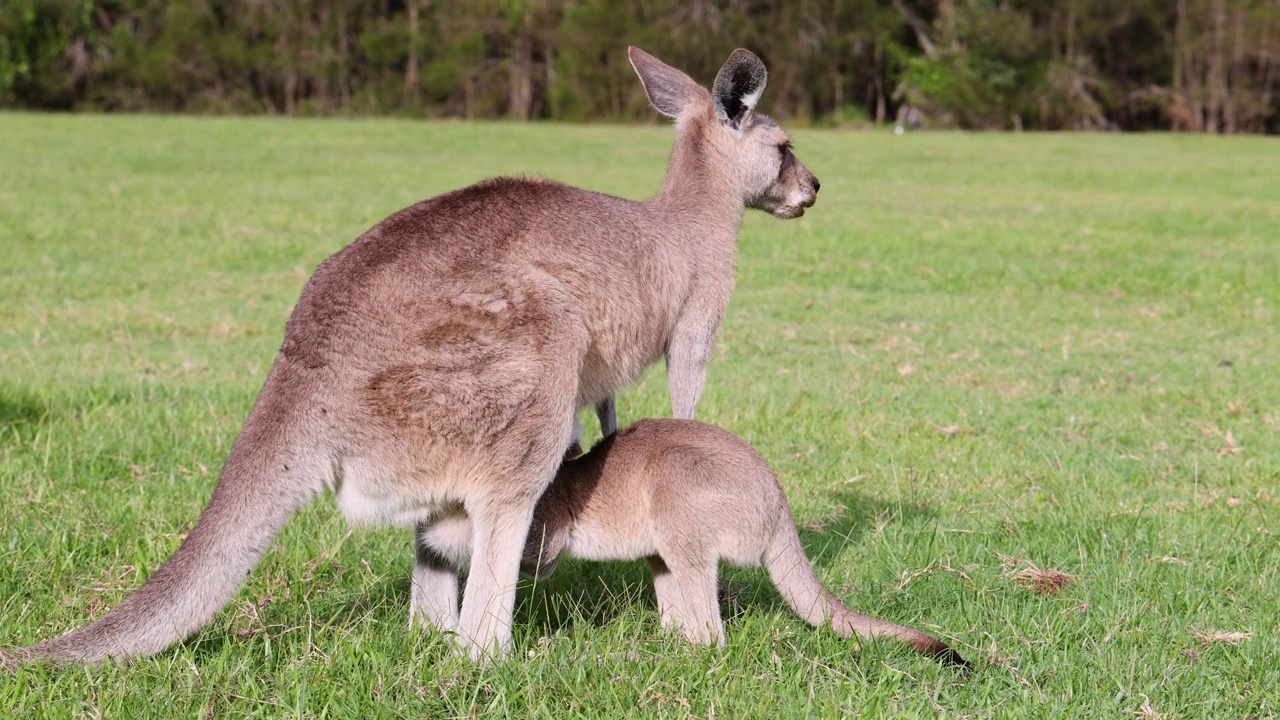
x=437, y=363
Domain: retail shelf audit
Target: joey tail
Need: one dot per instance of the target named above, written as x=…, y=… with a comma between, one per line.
x=789, y=568
x=267, y=477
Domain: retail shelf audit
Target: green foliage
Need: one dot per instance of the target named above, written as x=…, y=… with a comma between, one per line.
x=976, y=353
x=1198, y=64
x=42, y=51
x=590, y=70
x=986, y=75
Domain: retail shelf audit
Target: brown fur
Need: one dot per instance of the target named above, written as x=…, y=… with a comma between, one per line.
x=437, y=362
x=685, y=496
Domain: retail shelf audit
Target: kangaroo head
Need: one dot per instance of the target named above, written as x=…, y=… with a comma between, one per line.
x=747, y=150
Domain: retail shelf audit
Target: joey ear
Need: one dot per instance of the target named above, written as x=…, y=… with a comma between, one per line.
x=669, y=90
x=738, y=87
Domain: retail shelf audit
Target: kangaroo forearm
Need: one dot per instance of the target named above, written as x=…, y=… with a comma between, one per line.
x=687, y=372
x=607, y=413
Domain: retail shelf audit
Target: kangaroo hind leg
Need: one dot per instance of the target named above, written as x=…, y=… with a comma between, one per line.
x=488, y=601
x=690, y=594
x=665, y=591
x=500, y=502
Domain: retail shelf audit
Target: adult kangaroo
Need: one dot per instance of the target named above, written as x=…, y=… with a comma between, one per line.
x=438, y=361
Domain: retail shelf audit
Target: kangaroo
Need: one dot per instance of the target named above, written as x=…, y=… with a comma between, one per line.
x=437, y=362
x=684, y=495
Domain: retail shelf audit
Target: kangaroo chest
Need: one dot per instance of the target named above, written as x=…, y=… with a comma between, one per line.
x=631, y=331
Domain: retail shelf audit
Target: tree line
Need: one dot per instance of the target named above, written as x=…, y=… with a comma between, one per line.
x=1196, y=65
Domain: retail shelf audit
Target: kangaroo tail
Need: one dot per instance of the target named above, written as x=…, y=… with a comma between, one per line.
x=792, y=574
x=266, y=479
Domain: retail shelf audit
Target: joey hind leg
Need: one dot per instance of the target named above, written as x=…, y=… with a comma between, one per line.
x=687, y=599
x=664, y=590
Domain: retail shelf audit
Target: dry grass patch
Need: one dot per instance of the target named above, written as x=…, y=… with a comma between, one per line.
x=1215, y=637
x=1042, y=581
x=1146, y=712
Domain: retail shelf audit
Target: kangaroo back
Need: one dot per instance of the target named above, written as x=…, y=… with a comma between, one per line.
x=265, y=480
x=789, y=568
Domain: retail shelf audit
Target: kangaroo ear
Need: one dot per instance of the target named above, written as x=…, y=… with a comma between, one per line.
x=669, y=90
x=738, y=87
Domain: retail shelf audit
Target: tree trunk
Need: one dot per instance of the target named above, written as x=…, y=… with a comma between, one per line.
x=549, y=66
x=344, y=60
x=323, y=60
x=919, y=27
x=881, y=109
x=947, y=21
x=1266, y=70
x=1187, y=85
x=520, y=99
x=1215, y=77
x=837, y=94
x=1070, y=43
x=1235, y=77
x=411, y=67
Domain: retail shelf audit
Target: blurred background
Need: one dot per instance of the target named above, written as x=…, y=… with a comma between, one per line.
x=1192, y=65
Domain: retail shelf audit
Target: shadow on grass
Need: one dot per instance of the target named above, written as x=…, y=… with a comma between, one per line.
x=743, y=589
x=22, y=412
x=596, y=594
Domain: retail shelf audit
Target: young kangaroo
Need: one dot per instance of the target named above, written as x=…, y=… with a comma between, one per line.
x=437, y=362
x=685, y=496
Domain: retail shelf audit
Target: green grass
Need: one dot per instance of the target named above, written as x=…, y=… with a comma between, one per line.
x=977, y=353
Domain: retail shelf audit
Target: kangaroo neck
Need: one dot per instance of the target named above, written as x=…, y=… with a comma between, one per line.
x=697, y=190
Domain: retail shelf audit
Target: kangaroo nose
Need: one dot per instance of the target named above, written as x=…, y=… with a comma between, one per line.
x=816, y=185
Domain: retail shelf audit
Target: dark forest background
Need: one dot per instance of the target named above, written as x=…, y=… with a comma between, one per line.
x=1197, y=65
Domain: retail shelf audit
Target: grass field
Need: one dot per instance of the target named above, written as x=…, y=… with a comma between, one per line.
x=979, y=359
